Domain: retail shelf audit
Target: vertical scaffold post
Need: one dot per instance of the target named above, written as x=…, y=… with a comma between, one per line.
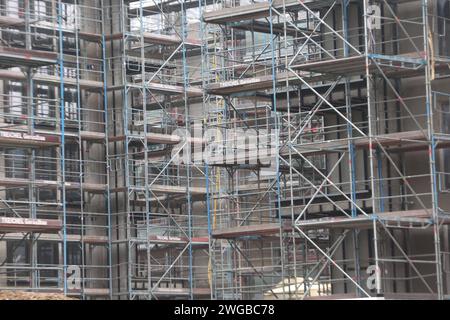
x=62, y=149
x=105, y=120
x=371, y=134
x=432, y=151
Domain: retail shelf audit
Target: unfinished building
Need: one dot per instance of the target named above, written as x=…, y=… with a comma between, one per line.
x=225, y=149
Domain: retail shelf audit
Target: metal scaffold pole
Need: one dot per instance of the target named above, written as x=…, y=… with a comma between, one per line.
x=107, y=156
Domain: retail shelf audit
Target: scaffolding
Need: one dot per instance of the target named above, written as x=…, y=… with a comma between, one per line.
x=54, y=214
x=225, y=149
x=159, y=238
x=354, y=104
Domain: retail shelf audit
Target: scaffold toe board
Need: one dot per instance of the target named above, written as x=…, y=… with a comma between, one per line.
x=15, y=224
x=14, y=138
x=407, y=65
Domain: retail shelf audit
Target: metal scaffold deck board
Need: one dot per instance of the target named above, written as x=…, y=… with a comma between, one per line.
x=44, y=138
x=153, y=8
x=53, y=125
x=168, y=89
x=13, y=57
x=174, y=198
x=197, y=242
x=159, y=138
x=248, y=84
x=165, y=189
x=92, y=136
x=51, y=184
x=262, y=9
x=8, y=21
x=157, y=38
x=236, y=149
x=322, y=200
x=262, y=230
x=258, y=10
x=53, y=237
x=407, y=65
x=52, y=80
x=398, y=141
x=264, y=27
x=93, y=292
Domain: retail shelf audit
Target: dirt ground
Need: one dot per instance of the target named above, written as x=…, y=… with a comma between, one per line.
x=22, y=295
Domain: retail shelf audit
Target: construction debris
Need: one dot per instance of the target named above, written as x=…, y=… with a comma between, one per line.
x=23, y=295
